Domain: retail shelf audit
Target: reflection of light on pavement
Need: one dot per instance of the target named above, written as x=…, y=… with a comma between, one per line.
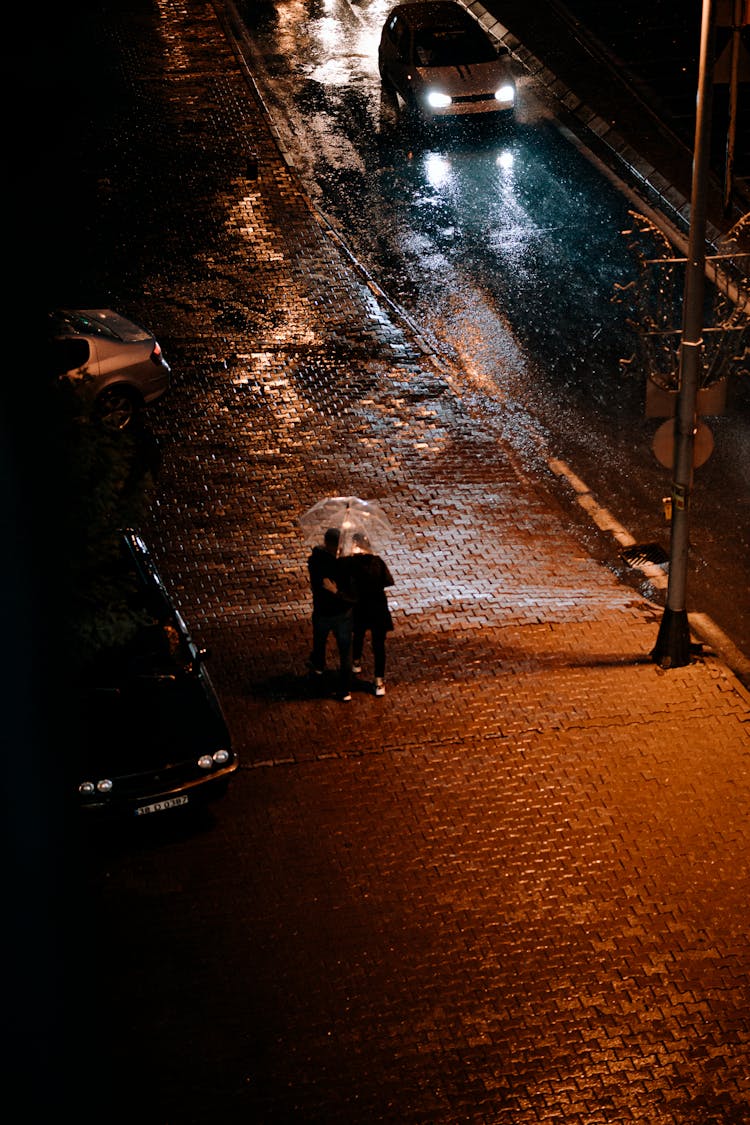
x=251, y=233
x=328, y=33
x=175, y=55
x=248, y=223
x=278, y=392
x=246, y=218
x=291, y=18
x=336, y=41
x=518, y=227
x=366, y=46
x=333, y=72
x=492, y=359
x=437, y=168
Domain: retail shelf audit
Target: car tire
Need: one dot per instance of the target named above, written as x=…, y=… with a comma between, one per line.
x=117, y=407
x=389, y=88
x=414, y=118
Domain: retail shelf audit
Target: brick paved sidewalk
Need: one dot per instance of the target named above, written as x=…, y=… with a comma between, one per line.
x=515, y=889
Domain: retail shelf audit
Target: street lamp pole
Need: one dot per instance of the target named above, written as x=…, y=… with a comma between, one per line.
x=672, y=647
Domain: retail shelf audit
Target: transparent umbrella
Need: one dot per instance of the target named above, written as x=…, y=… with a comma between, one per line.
x=351, y=517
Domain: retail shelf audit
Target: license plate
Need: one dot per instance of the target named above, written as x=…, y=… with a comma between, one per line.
x=159, y=806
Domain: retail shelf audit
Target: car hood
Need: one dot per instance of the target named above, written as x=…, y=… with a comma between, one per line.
x=149, y=722
x=465, y=79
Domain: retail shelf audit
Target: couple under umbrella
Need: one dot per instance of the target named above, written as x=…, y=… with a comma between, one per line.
x=348, y=580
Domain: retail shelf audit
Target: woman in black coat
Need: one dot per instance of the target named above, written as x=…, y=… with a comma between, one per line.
x=371, y=576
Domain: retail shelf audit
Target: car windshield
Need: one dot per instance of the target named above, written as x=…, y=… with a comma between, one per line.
x=452, y=46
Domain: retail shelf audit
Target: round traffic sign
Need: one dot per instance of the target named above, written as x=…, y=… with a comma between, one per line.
x=663, y=445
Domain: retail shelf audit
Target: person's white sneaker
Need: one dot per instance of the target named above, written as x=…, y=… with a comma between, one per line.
x=356, y=666
x=379, y=686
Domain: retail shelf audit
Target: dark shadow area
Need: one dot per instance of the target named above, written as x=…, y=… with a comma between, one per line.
x=109, y=838
x=285, y=688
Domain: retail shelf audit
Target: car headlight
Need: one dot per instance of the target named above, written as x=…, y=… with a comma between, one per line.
x=218, y=758
x=87, y=788
x=505, y=94
x=437, y=100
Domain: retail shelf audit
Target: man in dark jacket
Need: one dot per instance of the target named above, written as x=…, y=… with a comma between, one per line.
x=333, y=599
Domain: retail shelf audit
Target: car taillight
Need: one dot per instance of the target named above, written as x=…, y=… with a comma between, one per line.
x=156, y=355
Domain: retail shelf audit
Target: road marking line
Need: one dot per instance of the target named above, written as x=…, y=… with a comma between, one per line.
x=604, y=519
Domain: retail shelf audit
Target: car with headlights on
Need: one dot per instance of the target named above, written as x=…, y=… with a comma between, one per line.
x=114, y=362
x=442, y=63
x=150, y=736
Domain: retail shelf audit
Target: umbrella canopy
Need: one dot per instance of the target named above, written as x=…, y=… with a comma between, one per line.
x=352, y=518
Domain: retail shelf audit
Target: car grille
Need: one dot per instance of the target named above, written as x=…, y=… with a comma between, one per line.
x=467, y=99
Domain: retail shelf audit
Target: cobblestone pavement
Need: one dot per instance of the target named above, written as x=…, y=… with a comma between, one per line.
x=513, y=890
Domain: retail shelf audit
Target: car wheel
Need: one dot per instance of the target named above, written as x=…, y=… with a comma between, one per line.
x=390, y=110
x=414, y=118
x=389, y=88
x=116, y=407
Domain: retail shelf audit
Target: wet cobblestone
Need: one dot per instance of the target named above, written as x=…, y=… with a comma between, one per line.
x=515, y=890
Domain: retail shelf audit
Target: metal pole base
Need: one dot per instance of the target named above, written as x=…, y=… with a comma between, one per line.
x=672, y=648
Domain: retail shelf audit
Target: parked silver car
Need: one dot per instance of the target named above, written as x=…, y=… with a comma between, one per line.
x=442, y=63
x=116, y=362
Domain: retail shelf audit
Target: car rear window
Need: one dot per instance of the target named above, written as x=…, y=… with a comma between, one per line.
x=83, y=325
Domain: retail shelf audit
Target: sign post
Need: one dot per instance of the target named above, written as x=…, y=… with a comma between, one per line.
x=672, y=647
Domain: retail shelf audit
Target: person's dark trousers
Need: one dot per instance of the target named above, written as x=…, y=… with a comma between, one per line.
x=377, y=637
x=341, y=627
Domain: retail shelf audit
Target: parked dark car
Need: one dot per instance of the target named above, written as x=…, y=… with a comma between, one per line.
x=443, y=64
x=118, y=364
x=152, y=734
